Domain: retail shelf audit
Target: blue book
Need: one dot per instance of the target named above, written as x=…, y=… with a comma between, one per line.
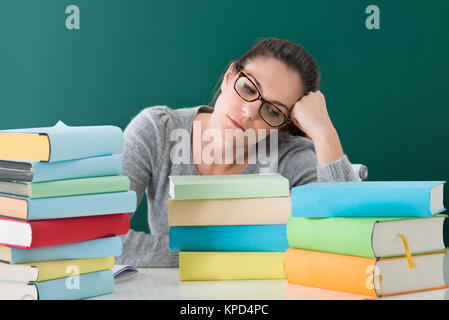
x=229, y=238
x=97, y=248
x=68, y=143
x=36, y=171
x=368, y=199
x=89, y=285
x=74, y=287
x=69, y=206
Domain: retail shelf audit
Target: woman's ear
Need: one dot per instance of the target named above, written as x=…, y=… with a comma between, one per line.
x=230, y=73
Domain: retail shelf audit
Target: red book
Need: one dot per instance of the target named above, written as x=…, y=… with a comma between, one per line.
x=42, y=233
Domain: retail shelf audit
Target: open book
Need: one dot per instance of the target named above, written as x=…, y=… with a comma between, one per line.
x=123, y=272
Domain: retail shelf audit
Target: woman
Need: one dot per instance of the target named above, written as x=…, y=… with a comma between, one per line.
x=274, y=86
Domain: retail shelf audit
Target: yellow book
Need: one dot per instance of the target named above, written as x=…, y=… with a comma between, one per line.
x=48, y=270
x=224, y=265
x=18, y=146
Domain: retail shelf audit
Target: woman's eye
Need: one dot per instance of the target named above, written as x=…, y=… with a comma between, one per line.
x=249, y=90
x=273, y=112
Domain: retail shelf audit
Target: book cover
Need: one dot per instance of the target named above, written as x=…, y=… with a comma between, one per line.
x=367, y=237
x=230, y=265
x=365, y=276
x=35, y=171
x=42, y=233
x=249, y=211
x=96, y=248
x=60, y=142
x=368, y=199
x=67, y=206
x=70, y=288
x=228, y=186
x=271, y=238
x=49, y=270
x=69, y=187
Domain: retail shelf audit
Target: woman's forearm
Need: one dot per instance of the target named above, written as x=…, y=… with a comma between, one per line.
x=327, y=147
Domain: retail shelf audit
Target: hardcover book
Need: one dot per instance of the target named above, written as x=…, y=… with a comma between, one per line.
x=90, y=285
x=67, y=206
x=42, y=233
x=49, y=270
x=271, y=238
x=228, y=186
x=60, y=142
x=368, y=199
x=96, y=248
x=249, y=211
x=368, y=237
x=69, y=187
x=230, y=265
x=365, y=276
x=35, y=171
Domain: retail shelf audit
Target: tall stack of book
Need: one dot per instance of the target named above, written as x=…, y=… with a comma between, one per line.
x=229, y=227
x=63, y=203
x=376, y=238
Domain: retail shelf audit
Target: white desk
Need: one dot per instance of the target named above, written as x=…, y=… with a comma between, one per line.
x=164, y=284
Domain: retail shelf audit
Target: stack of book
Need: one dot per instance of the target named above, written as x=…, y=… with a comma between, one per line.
x=374, y=239
x=229, y=227
x=63, y=203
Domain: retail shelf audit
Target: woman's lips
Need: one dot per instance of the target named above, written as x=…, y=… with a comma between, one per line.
x=236, y=124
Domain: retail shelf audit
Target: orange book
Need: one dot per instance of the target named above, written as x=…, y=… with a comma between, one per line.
x=299, y=292
x=365, y=276
x=16, y=146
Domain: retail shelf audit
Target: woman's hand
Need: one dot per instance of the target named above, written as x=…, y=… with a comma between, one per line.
x=310, y=115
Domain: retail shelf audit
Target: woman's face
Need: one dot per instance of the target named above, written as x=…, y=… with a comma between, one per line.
x=275, y=82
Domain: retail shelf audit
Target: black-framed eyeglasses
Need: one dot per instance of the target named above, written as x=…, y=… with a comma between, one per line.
x=269, y=112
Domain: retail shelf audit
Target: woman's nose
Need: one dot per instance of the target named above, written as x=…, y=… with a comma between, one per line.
x=251, y=109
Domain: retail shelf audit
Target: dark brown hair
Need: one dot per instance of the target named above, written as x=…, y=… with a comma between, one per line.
x=293, y=55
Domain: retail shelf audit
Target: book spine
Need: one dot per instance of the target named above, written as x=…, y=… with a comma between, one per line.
x=80, y=168
x=81, y=205
x=60, y=231
x=81, y=186
x=230, y=265
x=351, y=236
x=252, y=211
x=97, y=248
x=360, y=202
x=49, y=270
x=231, y=191
x=271, y=238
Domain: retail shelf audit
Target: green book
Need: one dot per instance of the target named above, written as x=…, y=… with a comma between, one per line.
x=367, y=237
x=69, y=187
x=263, y=185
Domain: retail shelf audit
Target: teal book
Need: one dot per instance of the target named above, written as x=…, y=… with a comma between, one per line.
x=75, y=287
x=68, y=206
x=38, y=171
x=60, y=142
x=69, y=187
x=368, y=199
x=368, y=237
x=271, y=238
x=228, y=186
x=97, y=248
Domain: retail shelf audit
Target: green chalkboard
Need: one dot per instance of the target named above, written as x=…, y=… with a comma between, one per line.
x=387, y=88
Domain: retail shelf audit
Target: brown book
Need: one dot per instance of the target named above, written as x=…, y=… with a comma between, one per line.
x=245, y=211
